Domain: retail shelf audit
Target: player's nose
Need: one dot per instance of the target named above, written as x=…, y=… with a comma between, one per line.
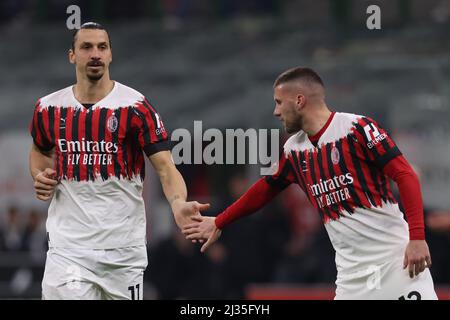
x=276, y=112
x=95, y=54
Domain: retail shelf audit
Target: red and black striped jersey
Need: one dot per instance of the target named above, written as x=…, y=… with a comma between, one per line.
x=342, y=176
x=100, y=164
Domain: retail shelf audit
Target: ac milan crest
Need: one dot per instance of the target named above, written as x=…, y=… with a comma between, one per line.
x=112, y=123
x=335, y=155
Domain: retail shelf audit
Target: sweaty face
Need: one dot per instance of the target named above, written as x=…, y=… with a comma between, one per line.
x=286, y=108
x=92, y=54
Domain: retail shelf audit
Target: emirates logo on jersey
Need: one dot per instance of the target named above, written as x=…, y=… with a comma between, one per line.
x=87, y=146
x=329, y=185
x=88, y=152
x=112, y=123
x=332, y=191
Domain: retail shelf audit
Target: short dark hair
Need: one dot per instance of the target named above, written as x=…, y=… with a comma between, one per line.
x=299, y=73
x=92, y=26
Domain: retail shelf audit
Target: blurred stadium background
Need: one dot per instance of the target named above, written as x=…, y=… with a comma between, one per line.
x=215, y=61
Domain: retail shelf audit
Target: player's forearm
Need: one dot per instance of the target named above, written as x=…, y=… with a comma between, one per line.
x=173, y=186
x=171, y=180
x=254, y=199
x=39, y=161
x=408, y=184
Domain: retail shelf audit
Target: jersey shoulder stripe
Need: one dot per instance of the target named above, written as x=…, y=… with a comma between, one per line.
x=123, y=96
x=295, y=142
x=342, y=125
x=61, y=97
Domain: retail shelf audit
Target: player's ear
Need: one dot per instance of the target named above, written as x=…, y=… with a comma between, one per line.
x=71, y=56
x=300, y=101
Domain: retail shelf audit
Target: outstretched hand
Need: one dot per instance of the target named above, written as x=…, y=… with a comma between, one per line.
x=183, y=211
x=202, y=228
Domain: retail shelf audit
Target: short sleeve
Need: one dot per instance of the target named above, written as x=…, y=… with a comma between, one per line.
x=284, y=175
x=40, y=128
x=152, y=134
x=376, y=141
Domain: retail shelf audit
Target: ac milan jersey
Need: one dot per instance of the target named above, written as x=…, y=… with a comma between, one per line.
x=100, y=163
x=342, y=177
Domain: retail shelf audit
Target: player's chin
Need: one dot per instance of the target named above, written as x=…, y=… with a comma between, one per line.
x=290, y=129
x=94, y=76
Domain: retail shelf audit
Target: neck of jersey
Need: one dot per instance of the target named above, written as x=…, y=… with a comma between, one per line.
x=315, y=138
x=88, y=105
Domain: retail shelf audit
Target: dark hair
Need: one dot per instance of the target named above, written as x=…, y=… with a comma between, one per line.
x=92, y=26
x=299, y=73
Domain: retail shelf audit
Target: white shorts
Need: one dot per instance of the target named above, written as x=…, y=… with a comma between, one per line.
x=83, y=274
x=388, y=281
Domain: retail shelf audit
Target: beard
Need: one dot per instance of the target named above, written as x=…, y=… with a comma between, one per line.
x=294, y=125
x=95, y=76
x=292, y=129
